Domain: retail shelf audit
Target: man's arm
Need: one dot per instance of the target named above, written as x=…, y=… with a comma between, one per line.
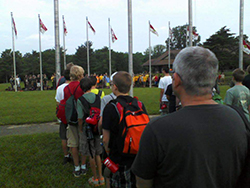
x=161, y=94
x=106, y=136
x=142, y=183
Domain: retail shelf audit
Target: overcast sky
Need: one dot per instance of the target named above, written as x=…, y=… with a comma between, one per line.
x=208, y=17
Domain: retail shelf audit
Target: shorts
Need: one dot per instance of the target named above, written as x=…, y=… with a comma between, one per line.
x=123, y=178
x=63, y=131
x=72, y=136
x=93, y=145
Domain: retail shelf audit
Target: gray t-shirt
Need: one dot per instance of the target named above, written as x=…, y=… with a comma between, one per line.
x=239, y=96
x=198, y=146
x=105, y=100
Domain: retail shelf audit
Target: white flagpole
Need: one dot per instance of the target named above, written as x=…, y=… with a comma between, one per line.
x=87, y=33
x=241, y=34
x=149, y=55
x=14, y=56
x=40, y=54
x=169, y=45
x=130, y=45
x=109, y=48
x=64, y=50
x=190, y=23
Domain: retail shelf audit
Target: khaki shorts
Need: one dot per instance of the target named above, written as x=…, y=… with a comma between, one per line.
x=93, y=145
x=72, y=136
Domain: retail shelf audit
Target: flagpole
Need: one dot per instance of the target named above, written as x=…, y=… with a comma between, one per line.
x=169, y=45
x=187, y=35
x=87, y=33
x=190, y=22
x=57, y=41
x=14, y=55
x=241, y=34
x=64, y=50
x=149, y=56
x=40, y=54
x=130, y=45
x=109, y=48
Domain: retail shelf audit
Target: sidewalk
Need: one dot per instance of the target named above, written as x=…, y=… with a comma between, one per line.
x=49, y=127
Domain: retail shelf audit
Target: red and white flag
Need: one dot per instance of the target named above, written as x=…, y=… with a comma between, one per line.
x=246, y=47
x=64, y=27
x=14, y=26
x=194, y=33
x=91, y=27
x=114, y=38
x=43, y=28
x=152, y=29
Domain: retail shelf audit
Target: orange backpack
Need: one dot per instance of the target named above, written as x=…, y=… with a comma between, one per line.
x=133, y=120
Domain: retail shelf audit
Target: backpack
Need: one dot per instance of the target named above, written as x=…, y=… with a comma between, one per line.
x=60, y=111
x=70, y=109
x=133, y=120
x=93, y=114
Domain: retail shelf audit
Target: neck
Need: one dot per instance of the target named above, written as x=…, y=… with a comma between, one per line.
x=188, y=100
x=238, y=83
x=121, y=94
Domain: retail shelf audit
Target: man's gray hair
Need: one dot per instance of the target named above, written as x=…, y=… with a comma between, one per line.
x=197, y=68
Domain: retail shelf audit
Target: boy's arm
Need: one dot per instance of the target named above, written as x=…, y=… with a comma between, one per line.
x=143, y=183
x=106, y=136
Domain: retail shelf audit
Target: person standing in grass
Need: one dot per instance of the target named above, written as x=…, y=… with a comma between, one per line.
x=202, y=145
x=76, y=74
x=90, y=147
x=94, y=87
x=63, y=126
x=239, y=95
x=163, y=84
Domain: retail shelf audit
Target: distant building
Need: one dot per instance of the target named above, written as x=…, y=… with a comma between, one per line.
x=161, y=61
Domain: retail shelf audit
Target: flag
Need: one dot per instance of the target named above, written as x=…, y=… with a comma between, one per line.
x=246, y=48
x=114, y=38
x=170, y=33
x=43, y=28
x=91, y=27
x=64, y=28
x=194, y=33
x=14, y=26
x=152, y=29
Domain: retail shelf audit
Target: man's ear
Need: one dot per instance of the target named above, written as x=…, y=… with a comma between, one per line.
x=177, y=80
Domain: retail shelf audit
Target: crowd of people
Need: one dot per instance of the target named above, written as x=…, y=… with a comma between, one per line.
x=201, y=144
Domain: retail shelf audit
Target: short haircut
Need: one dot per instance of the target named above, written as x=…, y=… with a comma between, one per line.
x=248, y=69
x=238, y=75
x=123, y=81
x=66, y=74
x=85, y=84
x=197, y=68
x=93, y=80
x=166, y=69
x=75, y=72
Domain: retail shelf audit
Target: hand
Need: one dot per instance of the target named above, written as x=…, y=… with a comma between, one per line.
x=81, y=129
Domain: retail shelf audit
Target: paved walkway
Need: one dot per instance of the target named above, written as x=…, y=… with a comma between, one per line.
x=49, y=127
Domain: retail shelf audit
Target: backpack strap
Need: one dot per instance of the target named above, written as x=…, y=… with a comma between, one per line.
x=74, y=90
x=100, y=93
x=244, y=178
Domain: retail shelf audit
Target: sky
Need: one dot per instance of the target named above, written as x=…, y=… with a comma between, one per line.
x=208, y=17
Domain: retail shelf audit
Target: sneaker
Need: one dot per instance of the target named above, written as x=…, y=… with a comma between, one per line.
x=77, y=173
x=83, y=171
x=101, y=181
x=93, y=182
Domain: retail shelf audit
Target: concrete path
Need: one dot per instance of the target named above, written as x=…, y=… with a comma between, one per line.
x=49, y=127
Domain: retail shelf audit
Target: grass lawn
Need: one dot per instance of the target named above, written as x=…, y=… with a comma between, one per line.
x=35, y=161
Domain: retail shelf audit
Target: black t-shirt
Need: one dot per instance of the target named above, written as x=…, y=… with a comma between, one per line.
x=111, y=122
x=172, y=101
x=201, y=146
x=246, y=81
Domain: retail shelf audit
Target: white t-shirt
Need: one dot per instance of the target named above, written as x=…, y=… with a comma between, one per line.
x=60, y=93
x=163, y=84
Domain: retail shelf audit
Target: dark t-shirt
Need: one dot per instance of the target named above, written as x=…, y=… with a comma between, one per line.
x=201, y=146
x=246, y=81
x=111, y=122
x=172, y=100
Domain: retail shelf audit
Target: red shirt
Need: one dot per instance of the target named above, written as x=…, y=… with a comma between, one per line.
x=72, y=87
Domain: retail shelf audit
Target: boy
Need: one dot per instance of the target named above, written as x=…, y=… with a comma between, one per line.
x=239, y=95
x=94, y=85
x=91, y=148
x=111, y=127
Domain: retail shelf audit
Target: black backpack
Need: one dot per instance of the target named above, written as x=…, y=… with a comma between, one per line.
x=70, y=109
